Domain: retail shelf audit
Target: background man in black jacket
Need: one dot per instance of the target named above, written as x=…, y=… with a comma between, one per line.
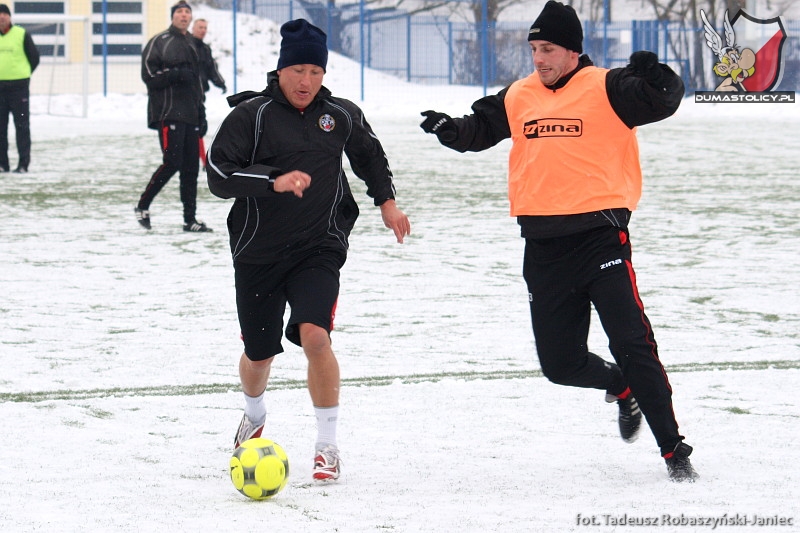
x=171, y=71
x=279, y=153
x=208, y=72
x=574, y=178
x=19, y=59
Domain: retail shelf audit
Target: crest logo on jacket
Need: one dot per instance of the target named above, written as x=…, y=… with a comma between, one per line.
x=326, y=123
x=553, y=127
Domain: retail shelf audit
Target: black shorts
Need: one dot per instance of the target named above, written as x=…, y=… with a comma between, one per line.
x=309, y=285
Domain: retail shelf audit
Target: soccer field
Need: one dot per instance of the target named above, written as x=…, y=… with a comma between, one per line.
x=119, y=390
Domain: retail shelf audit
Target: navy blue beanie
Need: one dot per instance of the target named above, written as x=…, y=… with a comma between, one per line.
x=303, y=44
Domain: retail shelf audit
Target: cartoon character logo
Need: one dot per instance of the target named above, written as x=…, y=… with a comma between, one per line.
x=749, y=59
x=734, y=64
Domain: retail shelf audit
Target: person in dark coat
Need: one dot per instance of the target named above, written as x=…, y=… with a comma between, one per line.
x=573, y=180
x=279, y=154
x=171, y=71
x=209, y=72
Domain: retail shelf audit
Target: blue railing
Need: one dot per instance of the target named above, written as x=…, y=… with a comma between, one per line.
x=422, y=48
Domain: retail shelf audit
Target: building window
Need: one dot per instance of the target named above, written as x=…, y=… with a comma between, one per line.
x=39, y=8
x=118, y=7
x=123, y=28
x=124, y=25
x=50, y=38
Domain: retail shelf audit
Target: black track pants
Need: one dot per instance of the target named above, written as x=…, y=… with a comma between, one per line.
x=565, y=276
x=14, y=99
x=180, y=148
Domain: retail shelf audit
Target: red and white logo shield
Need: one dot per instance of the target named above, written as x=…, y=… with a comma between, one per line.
x=765, y=38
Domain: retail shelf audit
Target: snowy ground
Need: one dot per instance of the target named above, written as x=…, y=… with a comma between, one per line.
x=119, y=392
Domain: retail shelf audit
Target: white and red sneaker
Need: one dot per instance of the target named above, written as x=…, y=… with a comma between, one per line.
x=247, y=430
x=326, y=464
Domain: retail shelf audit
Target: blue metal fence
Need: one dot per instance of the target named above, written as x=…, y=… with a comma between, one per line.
x=423, y=48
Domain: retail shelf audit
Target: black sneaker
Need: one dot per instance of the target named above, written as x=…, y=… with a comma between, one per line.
x=678, y=465
x=630, y=417
x=21, y=170
x=198, y=227
x=143, y=216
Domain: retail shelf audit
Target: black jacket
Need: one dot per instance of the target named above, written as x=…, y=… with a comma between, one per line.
x=171, y=71
x=633, y=99
x=265, y=136
x=208, y=67
x=31, y=52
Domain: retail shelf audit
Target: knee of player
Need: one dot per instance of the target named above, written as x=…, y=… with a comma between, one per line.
x=559, y=375
x=256, y=361
x=314, y=339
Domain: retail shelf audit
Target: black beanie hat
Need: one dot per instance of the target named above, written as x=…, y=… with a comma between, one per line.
x=178, y=6
x=558, y=24
x=4, y=9
x=303, y=44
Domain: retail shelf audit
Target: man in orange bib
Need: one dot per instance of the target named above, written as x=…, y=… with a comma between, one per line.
x=574, y=179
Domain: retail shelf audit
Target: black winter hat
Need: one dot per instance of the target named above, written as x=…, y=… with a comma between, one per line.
x=4, y=9
x=560, y=25
x=178, y=6
x=303, y=43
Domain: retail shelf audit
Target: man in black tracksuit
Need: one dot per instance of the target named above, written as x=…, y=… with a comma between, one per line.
x=574, y=178
x=171, y=71
x=280, y=155
x=209, y=72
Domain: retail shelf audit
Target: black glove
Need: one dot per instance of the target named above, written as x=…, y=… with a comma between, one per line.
x=439, y=124
x=174, y=75
x=645, y=65
x=202, y=129
x=178, y=75
x=187, y=75
x=224, y=89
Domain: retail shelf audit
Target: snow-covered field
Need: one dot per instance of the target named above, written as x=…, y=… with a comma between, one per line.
x=119, y=392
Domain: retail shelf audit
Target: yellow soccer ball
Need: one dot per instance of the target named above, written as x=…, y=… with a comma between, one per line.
x=259, y=468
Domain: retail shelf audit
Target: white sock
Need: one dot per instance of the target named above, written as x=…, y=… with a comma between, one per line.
x=255, y=409
x=326, y=425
